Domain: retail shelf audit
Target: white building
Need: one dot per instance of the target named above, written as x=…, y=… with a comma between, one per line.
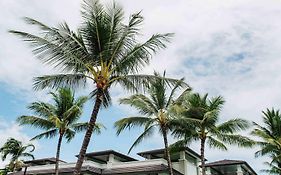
x=109, y=162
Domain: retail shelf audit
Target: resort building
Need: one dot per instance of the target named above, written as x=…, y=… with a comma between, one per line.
x=229, y=167
x=110, y=162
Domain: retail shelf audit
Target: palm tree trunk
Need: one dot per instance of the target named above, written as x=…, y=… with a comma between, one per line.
x=203, y=156
x=58, y=154
x=279, y=166
x=89, y=132
x=167, y=152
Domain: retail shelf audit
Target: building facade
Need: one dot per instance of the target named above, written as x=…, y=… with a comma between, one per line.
x=110, y=162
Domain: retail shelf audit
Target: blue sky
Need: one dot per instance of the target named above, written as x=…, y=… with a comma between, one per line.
x=230, y=48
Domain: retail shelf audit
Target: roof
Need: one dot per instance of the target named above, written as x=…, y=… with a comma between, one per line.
x=139, y=169
x=229, y=162
x=103, y=155
x=157, y=151
x=51, y=160
x=127, y=170
x=61, y=170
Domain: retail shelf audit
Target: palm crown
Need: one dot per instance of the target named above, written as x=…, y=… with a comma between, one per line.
x=103, y=49
x=198, y=120
x=62, y=117
x=58, y=119
x=155, y=111
x=16, y=149
x=270, y=135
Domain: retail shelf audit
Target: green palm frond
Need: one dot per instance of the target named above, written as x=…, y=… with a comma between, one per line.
x=233, y=125
x=28, y=155
x=214, y=143
x=47, y=134
x=142, y=103
x=236, y=139
x=129, y=122
x=139, y=55
x=42, y=109
x=36, y=122
x=137, y=83
x=146, y=133
x=69, y=134
x=59, y=80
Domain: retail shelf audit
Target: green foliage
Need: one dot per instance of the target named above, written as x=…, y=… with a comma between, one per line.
x=62, y=117
x=16, y=150
x=155, y=108
x=198, y=119
x=270, y=139
x=104, y=49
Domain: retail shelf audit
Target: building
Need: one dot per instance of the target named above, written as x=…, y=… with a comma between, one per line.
x=110, y=162
x=229, y=167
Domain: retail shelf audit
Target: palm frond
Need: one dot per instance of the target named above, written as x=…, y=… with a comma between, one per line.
x=214, y=143
x=233, y=125
x=42, y=109
x=48, y=134
x=59, y=80
x=146, y=133
x=129, y=122
x=137, y=57
x=142, y=103
x=28, y=155
x=34, y=121
x=236, y=139
x=135, y=83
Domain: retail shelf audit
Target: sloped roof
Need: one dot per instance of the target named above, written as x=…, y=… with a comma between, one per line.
x=139, y=169
x=112, y=171
x=224, y=162
x=157, y=151
x=43, y=160
x=61, y=170
x=229, y=162
x=102, y=155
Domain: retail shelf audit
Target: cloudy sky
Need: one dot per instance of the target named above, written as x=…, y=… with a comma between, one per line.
x=230, y=48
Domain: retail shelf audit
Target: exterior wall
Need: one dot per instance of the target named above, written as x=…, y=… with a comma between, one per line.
x=186, y=165
x=191, y=168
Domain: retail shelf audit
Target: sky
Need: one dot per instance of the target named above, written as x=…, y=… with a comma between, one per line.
x=230, y=48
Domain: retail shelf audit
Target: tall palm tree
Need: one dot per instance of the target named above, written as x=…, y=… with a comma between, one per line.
x=198, y=121
x=16, y=149
x=270, y=138
x=104, y=50
x=155, y=111
x=59, y=119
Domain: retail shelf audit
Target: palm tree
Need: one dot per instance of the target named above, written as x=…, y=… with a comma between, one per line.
x=198, y=121
x=270, y=135
x=104, y=50
x=155, y=111
x=58, y=119
x=16, y=149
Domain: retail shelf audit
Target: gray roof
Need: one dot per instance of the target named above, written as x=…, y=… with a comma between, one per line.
x=226, y=162
x=50, y=160
x=113, y=171
x=102, y=155
x=157, y=151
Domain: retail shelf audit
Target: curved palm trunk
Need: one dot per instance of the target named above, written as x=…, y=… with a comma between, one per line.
x=202, y=150
x=88, y=133
x=58, y=154
x=167, y=152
